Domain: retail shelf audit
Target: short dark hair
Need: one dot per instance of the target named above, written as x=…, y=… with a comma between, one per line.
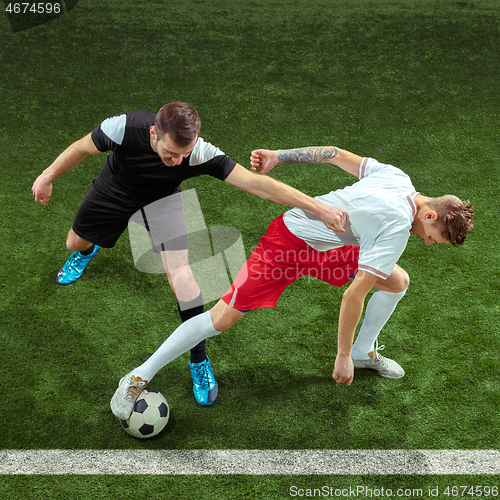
x=454, y=217
x=180, y=121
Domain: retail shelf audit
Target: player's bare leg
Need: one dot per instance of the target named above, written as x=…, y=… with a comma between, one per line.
x=224, y=316
x=179, y=275
x=76, y=243
x=397, y=282
x=365, y=351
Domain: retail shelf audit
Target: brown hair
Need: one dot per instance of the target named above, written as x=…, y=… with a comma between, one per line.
x=180, y=121
x=454, y=217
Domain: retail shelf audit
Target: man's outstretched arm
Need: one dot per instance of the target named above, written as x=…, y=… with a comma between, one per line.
x=273, y=190
x=263, y=160
x=68, y=159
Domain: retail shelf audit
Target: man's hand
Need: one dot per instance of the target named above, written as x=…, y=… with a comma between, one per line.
x=263, y=160
x=343, y=372
x=333, y=218
x=42, y=189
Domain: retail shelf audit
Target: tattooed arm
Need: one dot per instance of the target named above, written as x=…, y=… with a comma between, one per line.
x=264, y=160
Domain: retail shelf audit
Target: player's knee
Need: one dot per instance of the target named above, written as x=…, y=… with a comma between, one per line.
x=222, y=323
x=403, y=281
x=74, y=244
x=71, y=246
x=223, y=316
x=398, y=281
x=181, y=279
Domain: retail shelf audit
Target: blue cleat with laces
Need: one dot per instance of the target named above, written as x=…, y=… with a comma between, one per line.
x=204, y=385
x=74, y=266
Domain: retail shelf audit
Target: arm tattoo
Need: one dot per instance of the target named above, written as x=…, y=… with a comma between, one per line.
x=318, y=154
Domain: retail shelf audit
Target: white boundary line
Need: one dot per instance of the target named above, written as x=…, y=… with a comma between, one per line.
x=279, y=462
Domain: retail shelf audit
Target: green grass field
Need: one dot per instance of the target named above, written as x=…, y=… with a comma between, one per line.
x=414, y=84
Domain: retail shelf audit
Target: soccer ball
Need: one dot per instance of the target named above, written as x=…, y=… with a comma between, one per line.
x=150, y=415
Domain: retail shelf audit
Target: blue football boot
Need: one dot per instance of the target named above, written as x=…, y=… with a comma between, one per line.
x=204, y=385
x=74, y=266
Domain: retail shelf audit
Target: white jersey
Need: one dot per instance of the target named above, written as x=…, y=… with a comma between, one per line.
x=380, y=209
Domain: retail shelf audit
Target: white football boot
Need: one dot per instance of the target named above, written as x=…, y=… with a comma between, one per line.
x=385, y=367
x=124, y=398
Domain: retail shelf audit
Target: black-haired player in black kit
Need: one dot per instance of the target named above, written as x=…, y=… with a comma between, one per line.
x=150, y=155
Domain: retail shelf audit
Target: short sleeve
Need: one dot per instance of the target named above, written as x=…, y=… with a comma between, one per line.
x=370, y=166
x=110, y=133
x=221, y=167
x=217, y=164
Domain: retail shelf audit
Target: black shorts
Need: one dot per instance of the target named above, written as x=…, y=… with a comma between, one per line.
x=103, y=217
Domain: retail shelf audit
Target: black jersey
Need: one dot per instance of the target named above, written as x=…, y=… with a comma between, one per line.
x=134, y=170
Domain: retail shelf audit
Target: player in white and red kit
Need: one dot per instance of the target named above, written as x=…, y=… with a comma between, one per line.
x=383, y=209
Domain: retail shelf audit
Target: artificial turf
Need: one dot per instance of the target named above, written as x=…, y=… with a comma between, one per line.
x=410, y=84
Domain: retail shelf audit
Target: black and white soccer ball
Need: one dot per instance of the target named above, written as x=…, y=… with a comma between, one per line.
x=150, y=415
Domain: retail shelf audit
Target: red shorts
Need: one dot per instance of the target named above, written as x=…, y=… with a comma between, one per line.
x=279, y=260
